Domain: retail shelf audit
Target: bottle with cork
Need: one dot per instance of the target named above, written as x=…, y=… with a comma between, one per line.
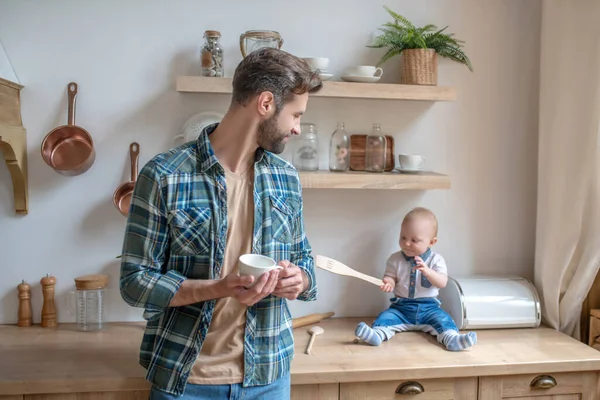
x=211, y=55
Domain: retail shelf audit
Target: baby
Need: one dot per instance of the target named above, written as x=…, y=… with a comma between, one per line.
x=416, y=274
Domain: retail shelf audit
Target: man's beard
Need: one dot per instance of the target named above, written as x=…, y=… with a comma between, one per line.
x=269, y=136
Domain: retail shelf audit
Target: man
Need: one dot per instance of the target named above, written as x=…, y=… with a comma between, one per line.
x=195, y=209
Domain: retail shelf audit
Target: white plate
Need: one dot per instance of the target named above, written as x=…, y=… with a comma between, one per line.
x=409, y=171
x=362, y=79
x=325, y=77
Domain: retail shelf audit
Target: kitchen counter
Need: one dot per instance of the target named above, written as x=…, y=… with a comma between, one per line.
x=63, y=360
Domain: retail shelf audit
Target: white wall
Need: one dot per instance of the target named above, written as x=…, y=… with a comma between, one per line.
x=125, y=56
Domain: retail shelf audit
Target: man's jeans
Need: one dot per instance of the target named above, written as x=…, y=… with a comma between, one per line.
x=278, y=390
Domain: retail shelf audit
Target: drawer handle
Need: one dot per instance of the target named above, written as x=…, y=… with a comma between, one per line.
x=410, y=388
x=543, y=382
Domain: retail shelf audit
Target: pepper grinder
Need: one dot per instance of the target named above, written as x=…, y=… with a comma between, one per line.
x=48, y=310
x=24, y=304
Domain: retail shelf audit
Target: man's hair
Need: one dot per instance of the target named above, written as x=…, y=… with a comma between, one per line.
x=276, y=71
x=422, y=212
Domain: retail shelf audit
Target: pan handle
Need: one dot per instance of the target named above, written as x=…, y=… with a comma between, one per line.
x=72, y=89
x=134, y=152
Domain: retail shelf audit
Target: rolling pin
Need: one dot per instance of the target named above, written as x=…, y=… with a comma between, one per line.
x=310, y=319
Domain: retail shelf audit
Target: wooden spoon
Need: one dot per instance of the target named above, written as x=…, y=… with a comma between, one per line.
x=314, y=331
x=337, y=267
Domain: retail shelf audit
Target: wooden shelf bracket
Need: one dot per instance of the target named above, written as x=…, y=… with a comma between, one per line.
x=13, y=142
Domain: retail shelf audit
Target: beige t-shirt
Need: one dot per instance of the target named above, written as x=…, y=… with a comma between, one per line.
x=221, y=360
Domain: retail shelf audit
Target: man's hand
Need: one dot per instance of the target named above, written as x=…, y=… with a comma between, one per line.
x=292, y=281
x=243, y=289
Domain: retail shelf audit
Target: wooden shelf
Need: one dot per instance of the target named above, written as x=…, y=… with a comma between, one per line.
x=13, y=142
x=370, y=180
x=349, y=90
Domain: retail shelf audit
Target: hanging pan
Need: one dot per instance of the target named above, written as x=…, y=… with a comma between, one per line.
x=69, y=149
x=122, y=196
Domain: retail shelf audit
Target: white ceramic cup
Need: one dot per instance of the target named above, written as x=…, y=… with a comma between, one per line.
x=256, y=265
x=364, y=70
x=411, y=161
x=317, y=63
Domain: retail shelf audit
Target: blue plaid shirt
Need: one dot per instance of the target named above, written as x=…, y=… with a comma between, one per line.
x=176, y=229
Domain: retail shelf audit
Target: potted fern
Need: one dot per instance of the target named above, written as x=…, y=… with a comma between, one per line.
x=420, y=47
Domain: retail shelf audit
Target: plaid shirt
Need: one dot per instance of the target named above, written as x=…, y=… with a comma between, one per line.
x=176, y=229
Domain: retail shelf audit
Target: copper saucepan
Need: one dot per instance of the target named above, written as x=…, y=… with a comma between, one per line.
x=122, y=196
x=69, y=149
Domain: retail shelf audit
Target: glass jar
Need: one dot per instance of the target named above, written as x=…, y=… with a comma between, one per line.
x=339, y=149
x=253, y=40
x=212, y=55
x=306, y=154
x=375, y=150
x=87, y=302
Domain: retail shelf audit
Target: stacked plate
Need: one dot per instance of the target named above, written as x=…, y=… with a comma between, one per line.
x=363, y=74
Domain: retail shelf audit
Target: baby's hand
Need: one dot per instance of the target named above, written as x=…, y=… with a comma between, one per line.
x=388, y=284
x=421, y=266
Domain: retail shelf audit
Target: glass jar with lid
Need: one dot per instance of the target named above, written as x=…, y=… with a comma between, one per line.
x=375, y=150
x=211, y=55
x=257, y=39
x=306, y=153
x=339, y=149
x=87, y=302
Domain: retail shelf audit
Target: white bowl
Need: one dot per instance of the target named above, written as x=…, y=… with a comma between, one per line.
x=315, y=63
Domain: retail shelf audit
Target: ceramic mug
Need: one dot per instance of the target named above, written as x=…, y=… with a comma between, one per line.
x=364, y=70
x=317, y=63
x=411, y=161
x=256, y=265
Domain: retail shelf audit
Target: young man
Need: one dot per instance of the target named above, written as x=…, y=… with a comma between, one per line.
x=195, y=209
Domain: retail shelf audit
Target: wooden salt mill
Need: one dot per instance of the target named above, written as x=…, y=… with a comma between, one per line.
x=24, y=304
x=48, y=310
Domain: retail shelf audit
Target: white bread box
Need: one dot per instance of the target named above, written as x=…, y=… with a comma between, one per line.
x=491, y=302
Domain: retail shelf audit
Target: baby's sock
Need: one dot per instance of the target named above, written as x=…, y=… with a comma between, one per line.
x=372, y=336
x=457, y=342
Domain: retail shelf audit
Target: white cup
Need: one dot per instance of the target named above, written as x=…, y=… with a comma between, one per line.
x=364, y=70
x=256, y=265
x=411, y=161
x=317, y=63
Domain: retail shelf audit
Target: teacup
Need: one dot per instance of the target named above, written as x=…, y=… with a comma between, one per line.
x=411, y=161
x=317, y=63
x=364, y=70
x=256, y=265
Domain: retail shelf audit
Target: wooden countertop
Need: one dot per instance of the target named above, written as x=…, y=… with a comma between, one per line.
x=38, y=360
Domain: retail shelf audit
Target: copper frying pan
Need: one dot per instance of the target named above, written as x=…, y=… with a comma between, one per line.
x=122, y=196
x=69, y=149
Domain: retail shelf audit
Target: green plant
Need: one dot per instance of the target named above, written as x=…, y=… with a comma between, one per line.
x=402, y=35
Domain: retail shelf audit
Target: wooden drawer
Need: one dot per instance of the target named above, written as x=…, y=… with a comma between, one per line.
x=324, y=391
x=422, y=389
x=513, y=386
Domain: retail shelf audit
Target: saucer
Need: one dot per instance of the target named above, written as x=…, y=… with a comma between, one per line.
x=324, y=76
x=362, y=79
x=408, y=171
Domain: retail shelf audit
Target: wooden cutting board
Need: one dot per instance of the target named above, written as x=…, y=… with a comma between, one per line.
x=358, y=145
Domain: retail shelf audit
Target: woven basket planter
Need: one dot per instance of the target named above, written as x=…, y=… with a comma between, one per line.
x=419, y=67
